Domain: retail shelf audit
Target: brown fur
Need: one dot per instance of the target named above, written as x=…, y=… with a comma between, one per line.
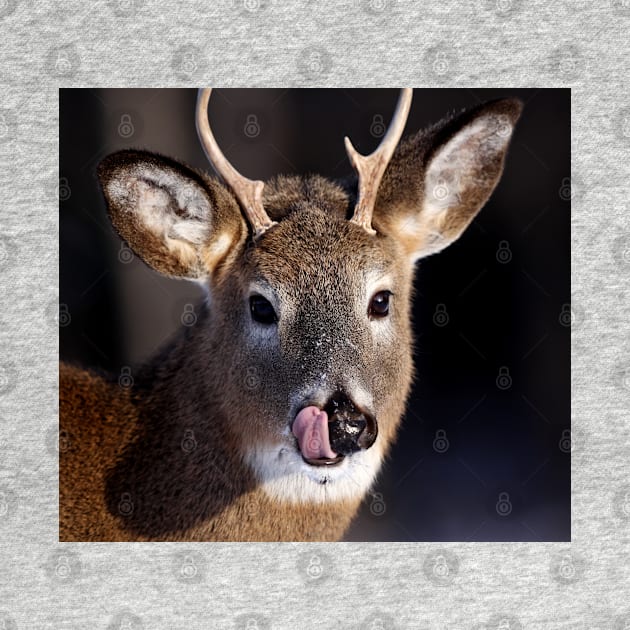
x=165, y=458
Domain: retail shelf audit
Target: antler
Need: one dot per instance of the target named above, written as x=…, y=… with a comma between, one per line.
x=247, y=191
x=370, y=168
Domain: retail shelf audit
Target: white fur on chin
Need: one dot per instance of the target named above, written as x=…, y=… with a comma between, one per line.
x=284, y=476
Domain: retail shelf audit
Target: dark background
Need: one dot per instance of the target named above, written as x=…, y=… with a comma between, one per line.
x=484, y=450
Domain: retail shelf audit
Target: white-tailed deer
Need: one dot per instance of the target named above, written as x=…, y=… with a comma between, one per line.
x=269, y=419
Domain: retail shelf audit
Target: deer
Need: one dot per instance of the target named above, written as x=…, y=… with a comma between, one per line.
x=271, y=417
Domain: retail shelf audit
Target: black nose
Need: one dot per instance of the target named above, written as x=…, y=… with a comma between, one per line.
x=350, y=429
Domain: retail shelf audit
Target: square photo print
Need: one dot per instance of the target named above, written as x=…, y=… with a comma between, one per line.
x=315, y=315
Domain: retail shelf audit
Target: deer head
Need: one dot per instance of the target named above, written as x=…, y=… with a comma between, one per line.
x=310, y=284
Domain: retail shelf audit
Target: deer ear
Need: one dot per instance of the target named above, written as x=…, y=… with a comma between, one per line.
x=439, y=180
x=178, y=222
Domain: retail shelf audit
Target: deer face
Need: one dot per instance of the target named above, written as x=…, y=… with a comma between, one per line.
x=310, y=309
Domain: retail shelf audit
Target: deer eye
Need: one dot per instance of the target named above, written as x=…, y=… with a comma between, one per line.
x=262, y=310
x=379, y=305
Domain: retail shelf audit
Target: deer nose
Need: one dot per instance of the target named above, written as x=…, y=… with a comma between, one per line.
x=350, y=428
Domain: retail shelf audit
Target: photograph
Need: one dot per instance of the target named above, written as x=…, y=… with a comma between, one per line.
x=315, y=315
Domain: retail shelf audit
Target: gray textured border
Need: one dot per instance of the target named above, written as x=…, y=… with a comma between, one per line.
x=361, y=43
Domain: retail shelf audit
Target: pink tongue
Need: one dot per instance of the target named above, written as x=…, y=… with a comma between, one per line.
x=310, y=427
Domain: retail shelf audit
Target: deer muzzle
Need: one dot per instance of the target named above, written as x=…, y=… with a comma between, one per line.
x=325, y=436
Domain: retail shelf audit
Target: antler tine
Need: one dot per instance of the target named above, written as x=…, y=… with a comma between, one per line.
x=370, y=168
x=247, y=191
